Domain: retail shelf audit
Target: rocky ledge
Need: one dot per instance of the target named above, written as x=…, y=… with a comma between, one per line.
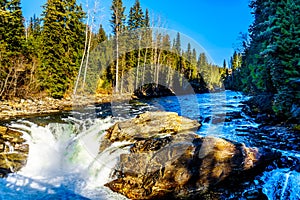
x=13, y=151
x=167, y=159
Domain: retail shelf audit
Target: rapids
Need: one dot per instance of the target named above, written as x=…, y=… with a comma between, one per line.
x=64, y=162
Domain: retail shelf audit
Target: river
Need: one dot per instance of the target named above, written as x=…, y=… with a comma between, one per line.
x=64, y=162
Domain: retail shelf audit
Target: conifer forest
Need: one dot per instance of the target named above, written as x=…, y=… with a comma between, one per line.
x=59, y=52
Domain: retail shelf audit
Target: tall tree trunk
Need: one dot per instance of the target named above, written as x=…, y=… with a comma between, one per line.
x=87, y=58
x=144, y=67
x=83, y=56
x=138, y=64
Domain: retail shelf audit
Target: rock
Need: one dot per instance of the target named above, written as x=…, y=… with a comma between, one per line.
x=295, y=112
x=261, y=104
x=148, y=125
x=151, y=91
x=13, y=151
x=167, y=159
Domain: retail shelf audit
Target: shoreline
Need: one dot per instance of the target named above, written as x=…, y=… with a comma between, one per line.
x=18, y=108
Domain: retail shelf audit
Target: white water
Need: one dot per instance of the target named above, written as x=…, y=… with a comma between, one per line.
x=282, y=184
x=63, y=162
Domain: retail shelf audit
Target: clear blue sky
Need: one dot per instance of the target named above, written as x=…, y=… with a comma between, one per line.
x=214, y=24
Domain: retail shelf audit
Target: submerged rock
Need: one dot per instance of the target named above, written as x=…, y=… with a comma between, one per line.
x=13, y=151
x=167, y=159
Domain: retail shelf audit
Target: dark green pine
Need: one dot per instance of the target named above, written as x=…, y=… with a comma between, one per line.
x=136, y=17
x=63, y=43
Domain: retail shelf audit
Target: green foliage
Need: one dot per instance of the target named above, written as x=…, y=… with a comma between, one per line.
x=42, y=56
x=136, y=17
x=271, y=60
x=12, y=43
x=101, y=36
x=118, y=17
x=63, y=39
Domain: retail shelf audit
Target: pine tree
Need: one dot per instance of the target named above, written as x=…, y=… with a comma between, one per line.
x=136, y=17
x=101, y=36
x=236, y=61
x=283, y=56
x=136, y=21
x=63, y=39
x=271, y=60
x=147, y=19
x=177, y=44
x=12, y=40
x=14, y=27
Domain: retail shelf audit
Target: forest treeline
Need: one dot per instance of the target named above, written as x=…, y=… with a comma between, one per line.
x=270, y=60
x=59, y=52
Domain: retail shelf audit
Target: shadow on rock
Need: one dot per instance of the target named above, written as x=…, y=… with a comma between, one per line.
x=167, y=159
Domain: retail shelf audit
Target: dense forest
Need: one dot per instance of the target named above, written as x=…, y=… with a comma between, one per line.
x=270, y=60
x=61, y=52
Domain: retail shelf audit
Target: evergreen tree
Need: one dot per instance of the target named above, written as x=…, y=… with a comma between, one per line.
x=177, y=44
x=236, y=61
x=283, y=56
x=271, y=60
x=224, y=64
x=147, y=19
x=12, y=40
x=13, y=26
x=63, y=39
x=101, y=36
x=136, y=17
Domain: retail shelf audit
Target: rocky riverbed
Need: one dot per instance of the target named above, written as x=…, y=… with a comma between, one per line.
x=10, y=109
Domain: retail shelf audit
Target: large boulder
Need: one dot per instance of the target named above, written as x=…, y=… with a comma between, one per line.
x=148, y=125
x=167, y=159
x=152, y=90
x=13, y=151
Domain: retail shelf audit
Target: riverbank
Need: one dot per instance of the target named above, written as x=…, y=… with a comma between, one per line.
x=12, y=109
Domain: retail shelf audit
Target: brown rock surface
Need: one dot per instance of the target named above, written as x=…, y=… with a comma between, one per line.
x=13, y=151
x=167, y=159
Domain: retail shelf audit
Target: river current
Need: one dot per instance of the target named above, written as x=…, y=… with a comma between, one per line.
x=64, y=162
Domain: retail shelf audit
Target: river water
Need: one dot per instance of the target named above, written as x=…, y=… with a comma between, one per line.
x=64, y=162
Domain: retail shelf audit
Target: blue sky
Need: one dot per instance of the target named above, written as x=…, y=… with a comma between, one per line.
x=215, y=25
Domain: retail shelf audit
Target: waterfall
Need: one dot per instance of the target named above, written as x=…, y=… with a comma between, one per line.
x=63, y=162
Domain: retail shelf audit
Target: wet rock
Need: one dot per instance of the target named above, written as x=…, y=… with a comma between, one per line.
x=151, y=91
x=13, y=151
x=295, y=110
x=167, y=159
x=233, y=116
x=261, y=103
x=148, y=125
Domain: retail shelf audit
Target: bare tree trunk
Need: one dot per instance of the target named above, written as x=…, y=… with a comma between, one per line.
x=144, y=67
x=5, y=82
x=138, y=64
x=155, y=60
x=87, y=45
x=122, y=81
x=87, y=57
x=83, y=56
